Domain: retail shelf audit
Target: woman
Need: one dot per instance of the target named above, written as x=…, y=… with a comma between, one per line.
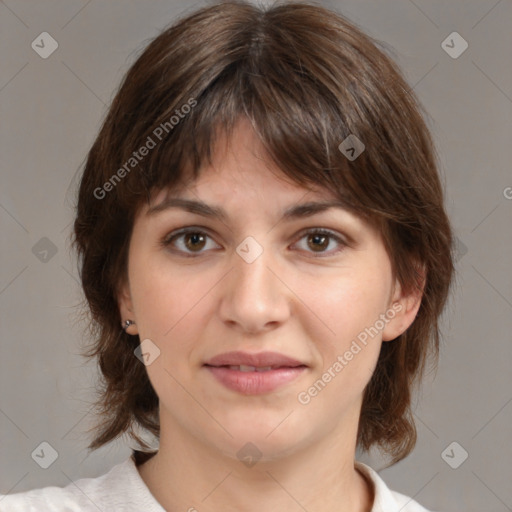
x=265, y=254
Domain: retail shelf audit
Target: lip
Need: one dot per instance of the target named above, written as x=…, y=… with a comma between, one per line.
x=284, y=370
x=260, y=359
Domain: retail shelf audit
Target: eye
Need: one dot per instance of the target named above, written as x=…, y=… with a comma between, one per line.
x=193, y=240
x=320, y=239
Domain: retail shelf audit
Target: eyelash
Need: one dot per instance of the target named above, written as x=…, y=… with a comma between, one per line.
x=168, y=239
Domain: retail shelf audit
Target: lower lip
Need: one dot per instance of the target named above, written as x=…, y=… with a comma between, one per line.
x=255, y=383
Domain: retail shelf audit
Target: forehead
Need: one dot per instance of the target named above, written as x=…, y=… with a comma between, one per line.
x=218, y=188
x=240, y=166
x=288, y=204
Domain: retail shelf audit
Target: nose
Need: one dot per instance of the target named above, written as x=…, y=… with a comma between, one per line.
x=255, y=297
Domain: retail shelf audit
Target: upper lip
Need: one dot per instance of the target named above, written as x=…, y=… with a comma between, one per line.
x=261, y=359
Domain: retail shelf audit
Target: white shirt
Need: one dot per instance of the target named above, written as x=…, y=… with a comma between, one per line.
x=122, y=489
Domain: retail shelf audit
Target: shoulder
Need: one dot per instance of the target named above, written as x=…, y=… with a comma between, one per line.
x=385, y=499
x=120, y=488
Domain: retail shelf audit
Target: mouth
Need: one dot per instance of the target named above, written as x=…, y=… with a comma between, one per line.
x=247, y=368
x=253, y=374
x=262, y=360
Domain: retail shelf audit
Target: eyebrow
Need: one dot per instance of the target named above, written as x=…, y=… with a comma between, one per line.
x=206, y=210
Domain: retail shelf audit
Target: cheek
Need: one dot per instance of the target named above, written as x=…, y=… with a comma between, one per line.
x=171, y=307
x=171, y=304
x=346, y=346
x=345, y=304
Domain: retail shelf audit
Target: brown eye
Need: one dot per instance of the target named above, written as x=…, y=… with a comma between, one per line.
x=318, y=240
x=194, y=241
x=187, y=241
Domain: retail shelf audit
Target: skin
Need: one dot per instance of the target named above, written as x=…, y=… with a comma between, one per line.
x=299, y=297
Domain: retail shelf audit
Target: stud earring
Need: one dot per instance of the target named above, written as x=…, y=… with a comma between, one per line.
x=127, y=324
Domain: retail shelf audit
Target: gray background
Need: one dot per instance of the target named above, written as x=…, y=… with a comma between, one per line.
x=50, y=111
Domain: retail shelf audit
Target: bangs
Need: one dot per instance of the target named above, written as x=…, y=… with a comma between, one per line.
x=297, y=149
x=294, y=138
x=299, y=112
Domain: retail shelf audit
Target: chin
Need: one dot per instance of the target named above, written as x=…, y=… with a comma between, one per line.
x=268, y=436
x=258, y=448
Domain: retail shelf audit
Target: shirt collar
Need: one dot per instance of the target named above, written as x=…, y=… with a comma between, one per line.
x=383, y=500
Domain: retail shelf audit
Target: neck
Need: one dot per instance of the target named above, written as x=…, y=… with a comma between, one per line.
x=186, y=474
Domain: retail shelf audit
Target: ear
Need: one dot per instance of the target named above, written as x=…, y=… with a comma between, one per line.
x=124, y=301
x=403, y=307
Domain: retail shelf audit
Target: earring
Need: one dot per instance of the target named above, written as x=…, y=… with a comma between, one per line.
x=127, y=324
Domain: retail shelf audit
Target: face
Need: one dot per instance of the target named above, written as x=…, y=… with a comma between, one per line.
x=315, y=291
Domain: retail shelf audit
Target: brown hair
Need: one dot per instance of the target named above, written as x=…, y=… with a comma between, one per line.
x=306, y=78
